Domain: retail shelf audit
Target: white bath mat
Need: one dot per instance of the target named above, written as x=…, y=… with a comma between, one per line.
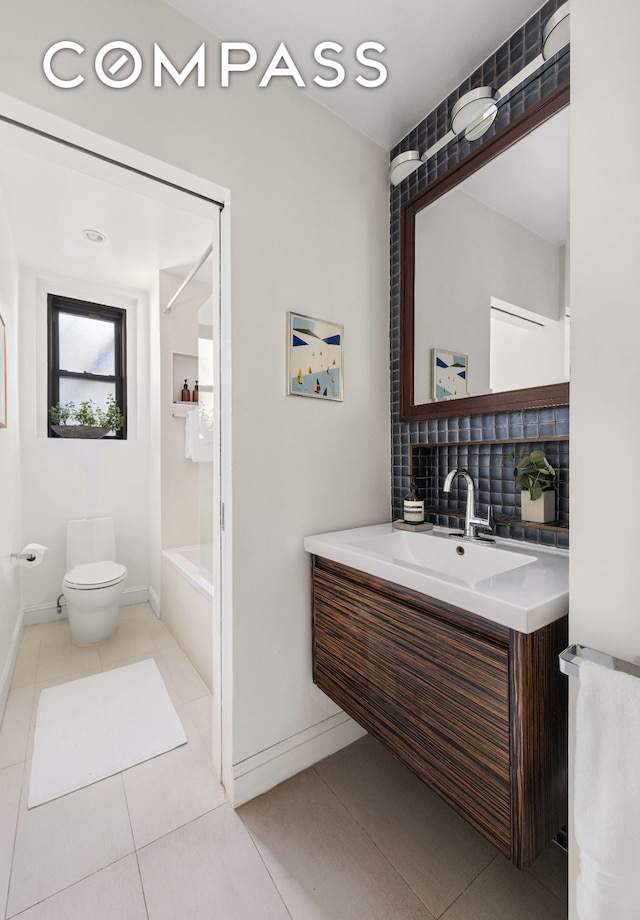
x=92, y=728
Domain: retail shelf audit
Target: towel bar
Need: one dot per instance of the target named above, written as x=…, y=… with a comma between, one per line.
x=570, y=661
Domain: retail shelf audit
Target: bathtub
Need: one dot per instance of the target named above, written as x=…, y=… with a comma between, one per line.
x=186, y=604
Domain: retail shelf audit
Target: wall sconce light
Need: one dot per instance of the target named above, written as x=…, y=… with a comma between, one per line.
x=403, y=165
x=555, y=34
x=474, y=113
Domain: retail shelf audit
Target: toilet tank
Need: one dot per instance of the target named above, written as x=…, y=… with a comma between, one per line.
x=90, y=540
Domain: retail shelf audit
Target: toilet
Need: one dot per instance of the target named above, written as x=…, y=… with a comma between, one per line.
x=94, y=580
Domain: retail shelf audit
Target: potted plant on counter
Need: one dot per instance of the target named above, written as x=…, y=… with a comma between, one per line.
x=537, y=479
x=86, y=421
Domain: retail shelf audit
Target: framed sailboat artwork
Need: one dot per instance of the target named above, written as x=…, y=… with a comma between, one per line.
x=315, y=366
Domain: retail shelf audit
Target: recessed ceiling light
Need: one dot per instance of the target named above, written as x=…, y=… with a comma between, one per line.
x=94, y=236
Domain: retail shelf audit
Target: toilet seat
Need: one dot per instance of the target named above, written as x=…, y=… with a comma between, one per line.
x=93, y=575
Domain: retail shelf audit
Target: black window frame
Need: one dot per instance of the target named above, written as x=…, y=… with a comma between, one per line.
x=57, y=304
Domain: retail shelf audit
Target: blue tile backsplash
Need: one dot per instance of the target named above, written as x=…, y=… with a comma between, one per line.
x=492, y=468
x=481, y=443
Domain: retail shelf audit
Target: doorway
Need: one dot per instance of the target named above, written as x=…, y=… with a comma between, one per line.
x=156, y=220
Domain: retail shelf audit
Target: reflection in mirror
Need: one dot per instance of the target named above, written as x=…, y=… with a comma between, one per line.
x=491, y=271
x=491, y=268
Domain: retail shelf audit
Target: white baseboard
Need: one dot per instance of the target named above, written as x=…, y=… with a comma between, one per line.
x=154, y=602
x=269, y=768
x=10, y=664
x=42, y=613
x=45, y=613
x=134, y=596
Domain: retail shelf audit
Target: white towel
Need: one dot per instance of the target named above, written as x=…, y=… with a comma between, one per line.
x=190, y=432
x=198, y=436
x=607, y=794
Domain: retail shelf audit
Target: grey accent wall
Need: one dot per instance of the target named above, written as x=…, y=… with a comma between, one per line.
x=493, y=431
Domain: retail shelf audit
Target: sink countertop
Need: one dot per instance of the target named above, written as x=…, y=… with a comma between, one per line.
x=532, y=592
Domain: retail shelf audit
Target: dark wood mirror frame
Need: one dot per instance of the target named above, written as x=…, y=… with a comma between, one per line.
x=556, y=394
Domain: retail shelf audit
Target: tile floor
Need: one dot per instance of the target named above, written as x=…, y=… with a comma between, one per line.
x=357, y=837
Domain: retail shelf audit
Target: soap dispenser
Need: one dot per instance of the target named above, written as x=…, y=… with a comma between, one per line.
x=185, y=396
x=195, y=394
x=412, y=506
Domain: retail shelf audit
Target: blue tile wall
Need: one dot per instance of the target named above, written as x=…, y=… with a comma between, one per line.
x=435, y=444
x=495, y=484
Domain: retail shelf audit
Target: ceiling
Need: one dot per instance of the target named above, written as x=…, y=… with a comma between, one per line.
x=430, y=48
x=52, y=193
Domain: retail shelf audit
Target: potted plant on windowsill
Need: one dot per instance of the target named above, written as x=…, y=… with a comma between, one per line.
x=537, y=479
x=87, y=421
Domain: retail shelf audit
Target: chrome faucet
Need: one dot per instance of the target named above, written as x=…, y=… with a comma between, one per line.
x=471, y=520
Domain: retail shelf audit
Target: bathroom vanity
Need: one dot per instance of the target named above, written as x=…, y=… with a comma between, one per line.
x=473, y=705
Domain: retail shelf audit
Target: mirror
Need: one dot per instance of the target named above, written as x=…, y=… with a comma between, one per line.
x=484, y=283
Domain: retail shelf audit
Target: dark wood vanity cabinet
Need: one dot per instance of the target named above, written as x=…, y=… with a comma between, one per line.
x=478, y=711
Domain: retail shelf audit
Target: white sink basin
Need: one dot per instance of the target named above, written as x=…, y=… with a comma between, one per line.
x=462, y=559
x=519, y=585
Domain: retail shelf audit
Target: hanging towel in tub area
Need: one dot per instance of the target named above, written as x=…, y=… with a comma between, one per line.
x=607, y=794
x=198, y=436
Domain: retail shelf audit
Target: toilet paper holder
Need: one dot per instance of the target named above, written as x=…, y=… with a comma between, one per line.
x=31, y=554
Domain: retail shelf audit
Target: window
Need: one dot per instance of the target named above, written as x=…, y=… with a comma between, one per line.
x=87, y=348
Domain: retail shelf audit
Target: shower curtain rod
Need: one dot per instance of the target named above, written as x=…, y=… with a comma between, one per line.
x=194, y=271
x=110, y=160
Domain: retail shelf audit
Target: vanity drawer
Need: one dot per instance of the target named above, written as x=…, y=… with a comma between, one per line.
x=438, y=698
x=478, y=711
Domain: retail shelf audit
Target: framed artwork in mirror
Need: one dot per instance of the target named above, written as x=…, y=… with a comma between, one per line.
x=449, y=375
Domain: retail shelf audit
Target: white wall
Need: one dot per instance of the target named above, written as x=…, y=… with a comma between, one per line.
x=10, y=468
x=68, y=478
x=309, y=232
x=605, y=418
x=493, y=257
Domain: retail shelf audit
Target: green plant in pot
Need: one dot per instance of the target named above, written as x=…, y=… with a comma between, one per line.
x=538, y=481
x=87, y=420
